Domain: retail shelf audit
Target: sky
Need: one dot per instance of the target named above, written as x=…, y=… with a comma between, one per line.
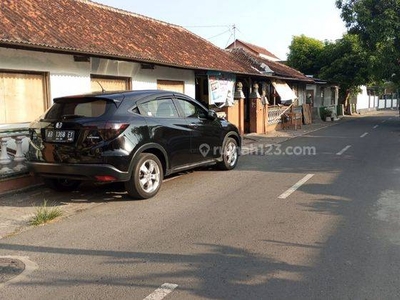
x=270, y=24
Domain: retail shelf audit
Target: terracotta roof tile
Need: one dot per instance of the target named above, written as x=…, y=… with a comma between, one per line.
x=86, y=27
x=279, y=69
x=82, y=26
x=254, y=48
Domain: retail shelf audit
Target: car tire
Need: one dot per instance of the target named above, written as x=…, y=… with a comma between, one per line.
x=61, y=184
x=146, y=178
x=230, y=155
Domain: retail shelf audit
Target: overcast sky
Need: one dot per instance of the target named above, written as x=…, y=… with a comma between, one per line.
x=270, y=24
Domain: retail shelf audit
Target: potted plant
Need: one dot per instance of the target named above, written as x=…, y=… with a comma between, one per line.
x=326, y=114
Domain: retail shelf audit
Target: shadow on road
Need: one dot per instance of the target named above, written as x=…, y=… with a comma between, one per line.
x=224, y=272
x=360, y=259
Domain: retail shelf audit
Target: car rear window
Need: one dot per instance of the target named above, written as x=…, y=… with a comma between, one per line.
x=79, y=107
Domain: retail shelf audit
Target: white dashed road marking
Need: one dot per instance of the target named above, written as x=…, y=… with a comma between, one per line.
x=296, y=186
x=162, y=291
x=364, y=135
x=343, y=150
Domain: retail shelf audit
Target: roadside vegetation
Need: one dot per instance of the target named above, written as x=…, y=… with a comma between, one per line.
x=368, y=54
x=44, y=214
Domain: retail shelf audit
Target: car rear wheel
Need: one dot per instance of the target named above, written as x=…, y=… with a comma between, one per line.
x=146, y=177
x=61, y=184
x=230, y=155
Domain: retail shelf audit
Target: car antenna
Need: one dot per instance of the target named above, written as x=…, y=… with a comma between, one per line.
x=102, y=89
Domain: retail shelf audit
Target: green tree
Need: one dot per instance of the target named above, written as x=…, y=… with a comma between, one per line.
x=346, y=63
x=343, y=61
x=377, y=23
x=305, y=54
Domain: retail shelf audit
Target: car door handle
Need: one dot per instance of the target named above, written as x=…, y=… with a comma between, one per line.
x=193, y=125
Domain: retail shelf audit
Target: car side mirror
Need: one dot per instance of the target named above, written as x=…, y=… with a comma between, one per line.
x=212, y=114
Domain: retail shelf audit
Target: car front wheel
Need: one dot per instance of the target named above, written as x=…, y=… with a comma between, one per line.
x=146, y=177
x=230, y=155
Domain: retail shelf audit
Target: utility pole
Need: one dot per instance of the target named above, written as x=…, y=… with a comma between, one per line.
x=234, y=35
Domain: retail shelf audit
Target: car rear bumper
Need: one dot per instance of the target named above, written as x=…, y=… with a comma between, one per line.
x=77, y=171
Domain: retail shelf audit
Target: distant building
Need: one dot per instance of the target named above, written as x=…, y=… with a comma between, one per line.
x=253, y=49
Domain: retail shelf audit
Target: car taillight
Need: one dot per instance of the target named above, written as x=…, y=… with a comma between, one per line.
x=105, y=178
x=112, y=130
x=98, y=132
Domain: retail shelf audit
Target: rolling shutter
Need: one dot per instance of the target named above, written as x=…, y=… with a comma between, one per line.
x=169, y=85
x=23, y=97
x=109, y=84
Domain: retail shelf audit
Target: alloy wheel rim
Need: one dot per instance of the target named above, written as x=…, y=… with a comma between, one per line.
x=149, y=176
x=231, y=153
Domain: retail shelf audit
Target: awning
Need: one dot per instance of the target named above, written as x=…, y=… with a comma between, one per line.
x=284, y=91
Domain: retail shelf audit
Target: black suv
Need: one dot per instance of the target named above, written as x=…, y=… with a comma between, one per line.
x=135, y=137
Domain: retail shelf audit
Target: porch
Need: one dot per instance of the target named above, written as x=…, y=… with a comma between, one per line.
x=264, y=119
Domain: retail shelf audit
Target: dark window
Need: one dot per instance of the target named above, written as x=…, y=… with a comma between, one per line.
x=136, y=110
x=79, y=107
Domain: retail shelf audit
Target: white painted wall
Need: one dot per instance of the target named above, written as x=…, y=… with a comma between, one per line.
x=323, y=94
x=68, y=77
x=373, y=101
x=147, y=79
x=362, y=98
x=143, y=79
x=101, y=66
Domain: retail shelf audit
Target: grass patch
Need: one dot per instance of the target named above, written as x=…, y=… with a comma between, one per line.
x=44, y=214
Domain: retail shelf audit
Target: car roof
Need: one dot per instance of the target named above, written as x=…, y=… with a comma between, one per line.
x=118, y=97
x=123, y=94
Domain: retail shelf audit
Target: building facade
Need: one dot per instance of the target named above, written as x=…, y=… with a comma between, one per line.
x=78, y=46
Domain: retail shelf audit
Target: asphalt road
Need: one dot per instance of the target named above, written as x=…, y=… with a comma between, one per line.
x=316, y=225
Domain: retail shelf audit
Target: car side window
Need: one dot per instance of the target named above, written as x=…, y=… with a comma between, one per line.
x=159, y=108
x=191, y=110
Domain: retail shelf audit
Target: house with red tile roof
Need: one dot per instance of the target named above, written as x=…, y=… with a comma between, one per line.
x=317, y=93
x=282, y=88
x=52, y=48
x=253, y=49
x=59, y=47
